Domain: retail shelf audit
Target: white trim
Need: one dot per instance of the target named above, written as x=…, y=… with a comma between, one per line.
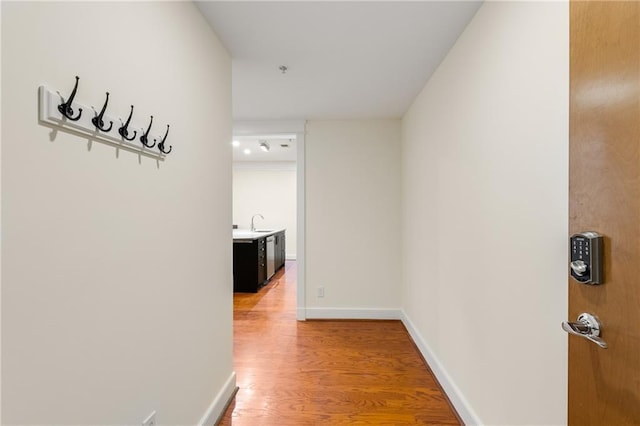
x=220, y=402
x=290, y=256
x=301, y=224
x=265, y=165
x=462, y=406
x=301, y=314
x=353, y=313
x=271, y=127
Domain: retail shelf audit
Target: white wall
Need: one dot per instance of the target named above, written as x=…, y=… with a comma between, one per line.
x=116, y=274
x=353, y=216
x=485, y=192
x=267, y=188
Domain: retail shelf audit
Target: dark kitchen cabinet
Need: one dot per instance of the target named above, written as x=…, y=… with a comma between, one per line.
x=279, y=250
x=249, y=265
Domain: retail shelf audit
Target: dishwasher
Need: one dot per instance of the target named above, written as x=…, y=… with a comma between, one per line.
x=271, y=256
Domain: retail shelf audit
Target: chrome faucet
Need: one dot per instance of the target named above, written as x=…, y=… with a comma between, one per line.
x=253, y=228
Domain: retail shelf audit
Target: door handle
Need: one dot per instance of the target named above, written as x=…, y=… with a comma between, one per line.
x=579, y=267
x=587, y=326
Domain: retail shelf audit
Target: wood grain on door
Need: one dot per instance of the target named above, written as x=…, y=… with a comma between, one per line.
x=604, y=196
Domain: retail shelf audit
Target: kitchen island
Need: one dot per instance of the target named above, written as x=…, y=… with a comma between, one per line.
x=257, y=255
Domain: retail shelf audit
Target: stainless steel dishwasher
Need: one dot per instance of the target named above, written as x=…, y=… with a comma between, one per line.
x=271, y=256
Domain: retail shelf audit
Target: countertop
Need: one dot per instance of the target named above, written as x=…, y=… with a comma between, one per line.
x=248, y=235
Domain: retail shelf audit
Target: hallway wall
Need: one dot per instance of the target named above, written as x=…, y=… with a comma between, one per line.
x=485, y=193
x=116, y=275
x=353, y=218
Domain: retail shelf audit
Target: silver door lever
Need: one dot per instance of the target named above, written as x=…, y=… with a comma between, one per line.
x=588, y=327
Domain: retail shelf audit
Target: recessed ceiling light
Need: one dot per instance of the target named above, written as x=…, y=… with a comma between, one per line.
x=235, y=143
x=247, y=151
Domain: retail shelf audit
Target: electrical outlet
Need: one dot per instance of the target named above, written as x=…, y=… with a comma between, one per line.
x=320, y=291
x=151, y=420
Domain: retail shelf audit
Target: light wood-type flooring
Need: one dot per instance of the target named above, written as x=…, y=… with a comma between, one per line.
x=292, y=373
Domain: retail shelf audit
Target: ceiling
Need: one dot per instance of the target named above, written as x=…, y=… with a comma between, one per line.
x=345, y=60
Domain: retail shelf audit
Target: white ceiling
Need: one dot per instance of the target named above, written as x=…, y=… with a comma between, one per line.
x=346, y=59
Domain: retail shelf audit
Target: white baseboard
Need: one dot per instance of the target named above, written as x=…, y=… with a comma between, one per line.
x=290, y=256
x=346, y=313
x=220, y=402
x=462, y=406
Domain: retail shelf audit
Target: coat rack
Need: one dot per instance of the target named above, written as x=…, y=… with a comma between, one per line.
x=68, y=113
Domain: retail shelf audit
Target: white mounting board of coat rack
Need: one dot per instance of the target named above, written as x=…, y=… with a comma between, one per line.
x=49, y=101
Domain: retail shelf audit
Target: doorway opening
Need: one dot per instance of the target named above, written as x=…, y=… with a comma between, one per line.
x=268, y=188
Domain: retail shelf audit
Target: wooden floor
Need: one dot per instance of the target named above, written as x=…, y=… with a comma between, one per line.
x=325, y=372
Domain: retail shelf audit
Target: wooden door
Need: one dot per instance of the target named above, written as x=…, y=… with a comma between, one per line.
x=604, y=188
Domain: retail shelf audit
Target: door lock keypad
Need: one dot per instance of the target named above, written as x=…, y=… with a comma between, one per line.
x=586, y=257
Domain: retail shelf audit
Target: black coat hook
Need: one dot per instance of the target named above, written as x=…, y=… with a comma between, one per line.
x=161, y=144
x=65, y=108
x=124, y=132
x=97, y=120
x=144, y=138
